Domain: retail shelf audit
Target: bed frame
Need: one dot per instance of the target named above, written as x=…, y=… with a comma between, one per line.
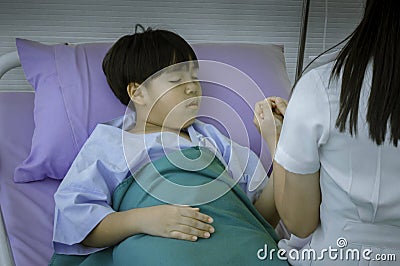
x=6, y=257
x=7, y=62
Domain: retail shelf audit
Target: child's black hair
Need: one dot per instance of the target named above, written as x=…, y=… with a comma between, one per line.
x=135, y=57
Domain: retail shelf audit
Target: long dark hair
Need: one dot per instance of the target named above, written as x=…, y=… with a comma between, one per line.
x=135, y=57
x=376, y=39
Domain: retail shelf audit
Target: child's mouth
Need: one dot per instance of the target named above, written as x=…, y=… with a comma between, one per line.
x=193, y=105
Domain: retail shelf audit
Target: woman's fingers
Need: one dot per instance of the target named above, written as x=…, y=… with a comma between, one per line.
x=280, y=106
x=259, y=109
x=262, y=107
x=263, y=115
x=268, y=118
x=274, y=106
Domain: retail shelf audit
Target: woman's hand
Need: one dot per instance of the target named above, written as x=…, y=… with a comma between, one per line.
x=268, y=118
x=179, y=222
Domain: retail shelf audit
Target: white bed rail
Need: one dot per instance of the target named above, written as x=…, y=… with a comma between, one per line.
x=7, y=62
x=6, y=257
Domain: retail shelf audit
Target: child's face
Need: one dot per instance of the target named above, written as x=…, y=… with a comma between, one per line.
x=174, y=96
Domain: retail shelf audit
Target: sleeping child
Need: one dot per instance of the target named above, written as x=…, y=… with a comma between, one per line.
x=158, y=186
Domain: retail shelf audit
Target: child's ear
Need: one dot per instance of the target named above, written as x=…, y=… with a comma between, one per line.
x=135, y=93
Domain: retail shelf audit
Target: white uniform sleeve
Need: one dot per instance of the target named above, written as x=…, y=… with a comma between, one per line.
x=305, y=126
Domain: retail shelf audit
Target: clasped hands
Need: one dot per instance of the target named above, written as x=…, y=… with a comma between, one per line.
x=268, y=118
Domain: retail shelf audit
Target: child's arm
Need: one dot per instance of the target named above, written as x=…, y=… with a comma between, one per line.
x=83, y=211
x=269, y=125
x=171, y=221
x=265, y=204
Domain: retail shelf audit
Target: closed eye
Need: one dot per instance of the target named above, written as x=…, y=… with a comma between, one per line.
x=175, y=80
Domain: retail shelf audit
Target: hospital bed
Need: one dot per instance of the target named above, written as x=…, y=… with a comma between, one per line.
x=69, y=93
x=41, y=130
x=67, y=79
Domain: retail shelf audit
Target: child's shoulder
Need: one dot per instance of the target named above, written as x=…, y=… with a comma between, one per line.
x=102, y=130
x=113, y=126
x=104, y=135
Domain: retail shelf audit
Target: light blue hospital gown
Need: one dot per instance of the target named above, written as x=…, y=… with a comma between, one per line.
x=360, y=208
x=83, y=199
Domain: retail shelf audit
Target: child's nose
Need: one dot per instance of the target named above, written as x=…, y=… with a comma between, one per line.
x=192, y=88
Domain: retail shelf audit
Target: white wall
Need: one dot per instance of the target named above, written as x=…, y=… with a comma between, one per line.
x=340, y=18
x=257, y=21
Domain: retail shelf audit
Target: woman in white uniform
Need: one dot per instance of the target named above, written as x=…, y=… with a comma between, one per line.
x=337, y=163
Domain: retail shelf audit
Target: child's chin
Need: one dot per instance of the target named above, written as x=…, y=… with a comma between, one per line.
x=188, y=123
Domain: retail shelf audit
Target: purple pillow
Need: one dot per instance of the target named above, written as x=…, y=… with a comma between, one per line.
x=72, y=96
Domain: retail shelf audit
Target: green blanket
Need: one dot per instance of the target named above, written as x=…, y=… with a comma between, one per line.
x=240, y=231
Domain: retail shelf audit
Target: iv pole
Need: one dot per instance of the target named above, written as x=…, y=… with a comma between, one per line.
x=302, y=39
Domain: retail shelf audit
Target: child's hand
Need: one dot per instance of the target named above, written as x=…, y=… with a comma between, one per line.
x=179, y=222
x=268, y=118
